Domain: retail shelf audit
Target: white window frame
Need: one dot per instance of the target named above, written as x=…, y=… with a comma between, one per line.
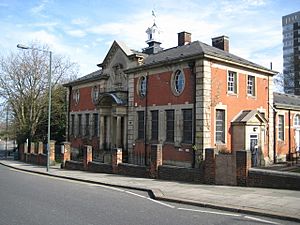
x=232, y=82
x=251, y=86
x=283, y=127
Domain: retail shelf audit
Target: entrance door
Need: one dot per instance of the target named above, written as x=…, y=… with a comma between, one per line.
x=254, y=149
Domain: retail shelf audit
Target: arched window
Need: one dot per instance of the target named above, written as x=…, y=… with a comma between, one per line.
x=76, y=96
x=95, y=94
x=297, y=120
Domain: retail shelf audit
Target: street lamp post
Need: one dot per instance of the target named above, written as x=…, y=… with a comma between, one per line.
x=49, y=101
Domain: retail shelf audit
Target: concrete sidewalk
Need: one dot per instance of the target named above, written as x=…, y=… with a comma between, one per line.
x=276, y=203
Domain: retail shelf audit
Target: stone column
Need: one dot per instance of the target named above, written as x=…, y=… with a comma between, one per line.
x=26, y=152
x=108, y=131
x=118, y=131
x=65, y=153
x=87, y=156
x=156, y=159
x=243, y=164
x=116, y=159
x=210, y=166
x=101, y=135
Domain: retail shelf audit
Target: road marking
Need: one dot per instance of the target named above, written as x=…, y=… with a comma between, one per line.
x=261, y=220
x=211, y=212
x=135, y=194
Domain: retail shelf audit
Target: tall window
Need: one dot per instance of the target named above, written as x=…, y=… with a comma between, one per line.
x=187, y=125
x=251, y=85
x=281, y=127
x=72, y=125
x=96, y=124
x=232, y=82
x=220, y=126
x=154, y=125
x=79, y=125
x=87, y=124
x=170, y=126
x=141, y=125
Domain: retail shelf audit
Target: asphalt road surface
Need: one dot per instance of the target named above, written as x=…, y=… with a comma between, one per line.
x=30, y=199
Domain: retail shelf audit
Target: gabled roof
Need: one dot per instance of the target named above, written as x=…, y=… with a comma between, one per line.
x=198, y=49
x=128, y=52
x=96, y=75
x=246, y=116
x=286, y=101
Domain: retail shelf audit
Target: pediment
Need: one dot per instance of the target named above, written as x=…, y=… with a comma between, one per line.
x=249, y=117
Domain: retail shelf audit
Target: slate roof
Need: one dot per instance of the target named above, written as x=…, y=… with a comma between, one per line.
x=282, y=100
x=196, y=49
x=246, y=115
x=87, y=78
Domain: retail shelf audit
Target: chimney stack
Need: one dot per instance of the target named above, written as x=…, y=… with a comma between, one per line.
x=221, y=42
x=184, y=38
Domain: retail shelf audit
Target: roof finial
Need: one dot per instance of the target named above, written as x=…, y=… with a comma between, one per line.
x=154, y=16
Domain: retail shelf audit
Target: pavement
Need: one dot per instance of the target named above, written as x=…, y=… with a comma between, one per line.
x=275, y=203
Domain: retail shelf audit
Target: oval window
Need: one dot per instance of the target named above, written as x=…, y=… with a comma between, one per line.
x=142, y=86
x=179, y=81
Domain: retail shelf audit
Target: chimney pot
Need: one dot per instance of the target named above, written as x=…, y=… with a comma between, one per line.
x=184, y=38
x=221, y=42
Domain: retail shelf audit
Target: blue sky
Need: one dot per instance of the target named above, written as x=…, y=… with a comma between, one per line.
x=83, y=30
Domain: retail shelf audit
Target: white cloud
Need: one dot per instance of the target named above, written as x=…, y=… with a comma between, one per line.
x=76, y=33
x=80, y=21
x=38, y=9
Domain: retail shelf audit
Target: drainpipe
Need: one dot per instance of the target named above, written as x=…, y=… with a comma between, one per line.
x=274, y=136
x=146, y=119
x=68, y=114
x=289, y=117
x=192, y=69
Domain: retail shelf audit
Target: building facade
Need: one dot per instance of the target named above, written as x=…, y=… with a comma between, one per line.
x=291, y=53
x=186, y=98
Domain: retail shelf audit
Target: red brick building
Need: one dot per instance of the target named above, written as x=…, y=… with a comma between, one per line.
x=187, y=98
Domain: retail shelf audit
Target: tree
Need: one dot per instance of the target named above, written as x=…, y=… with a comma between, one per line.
x=24, y=88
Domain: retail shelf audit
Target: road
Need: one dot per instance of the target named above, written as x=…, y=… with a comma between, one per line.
x=30, y=199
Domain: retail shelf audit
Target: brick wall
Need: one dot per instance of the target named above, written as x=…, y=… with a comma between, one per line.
x=133, y=170
x=181, y=174
x=225, y=169
x=100, y=167
x=273, y=179
x=74, y=165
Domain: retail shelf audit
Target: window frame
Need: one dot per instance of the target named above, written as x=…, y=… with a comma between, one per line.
x=141, y=125
x=251, y=85
x=154, y=125
x=95, y=124
x=79, y=124
x=170, y=125
x=223, y=124
x=232, y=80
x=175, y=81
x=281, y=124
x=87, y=125
x=187, y=126
x=72, y=127
x=142, y=86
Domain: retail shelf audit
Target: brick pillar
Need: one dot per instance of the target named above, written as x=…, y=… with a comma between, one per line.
x=40, y=148
x=65, y=153
x=116, y=158
x=210, y=166
x=243, y=163
x=87, y=156
x=52, y=153
x=156, y=159
x=22, y=152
